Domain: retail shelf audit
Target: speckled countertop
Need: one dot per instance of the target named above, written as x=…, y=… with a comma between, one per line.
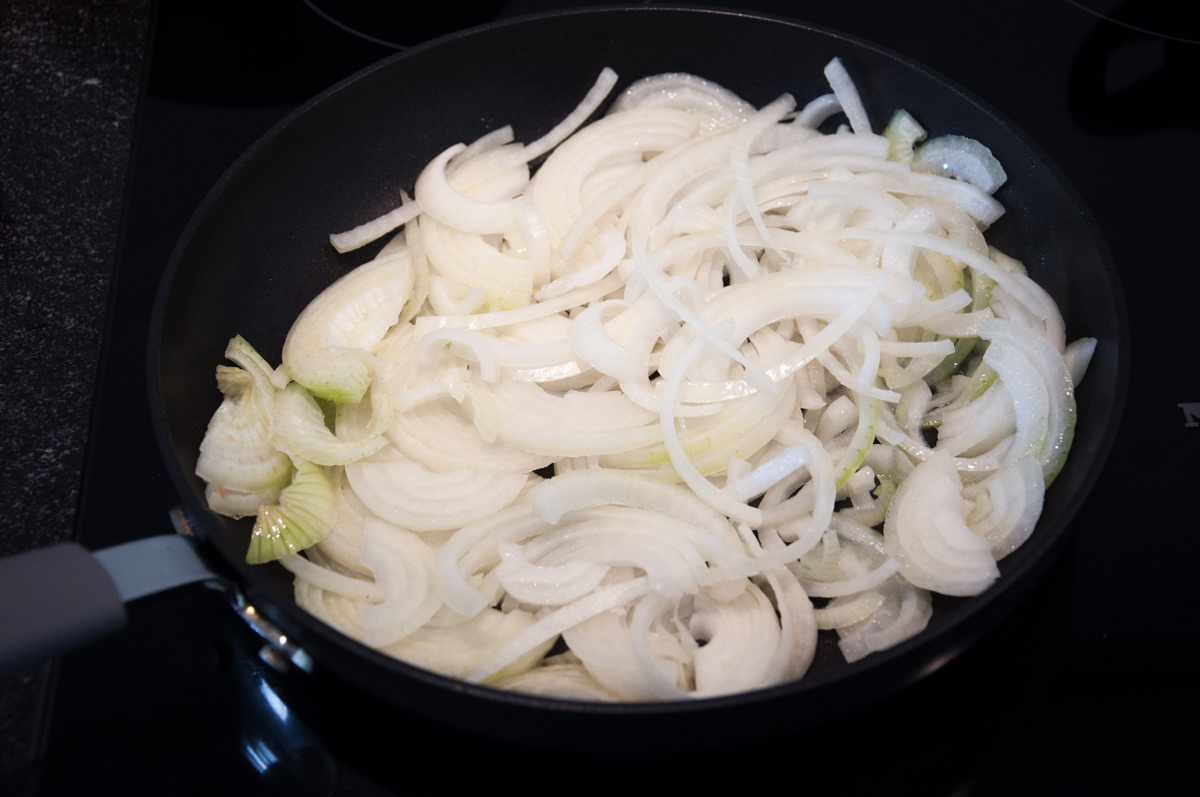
x=69, y=84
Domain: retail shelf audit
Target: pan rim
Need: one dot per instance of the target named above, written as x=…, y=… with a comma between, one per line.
x=1001, y=597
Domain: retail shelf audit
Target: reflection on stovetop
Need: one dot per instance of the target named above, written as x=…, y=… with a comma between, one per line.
x=180, y=703
x=1123, y=74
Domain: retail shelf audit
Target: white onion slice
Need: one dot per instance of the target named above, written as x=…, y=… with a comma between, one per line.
x=441, y=201
x=963, y=158
x=411, y=497
x=328, y=348
x=403, y=568
x=926, y=532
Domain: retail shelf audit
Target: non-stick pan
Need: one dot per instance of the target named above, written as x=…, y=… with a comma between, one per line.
x=257, y=250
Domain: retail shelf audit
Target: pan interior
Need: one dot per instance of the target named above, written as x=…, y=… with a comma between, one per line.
x=257, y=251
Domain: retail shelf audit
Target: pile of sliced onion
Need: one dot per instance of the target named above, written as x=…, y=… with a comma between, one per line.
x=639, y=425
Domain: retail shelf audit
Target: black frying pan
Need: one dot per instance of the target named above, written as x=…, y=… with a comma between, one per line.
x=257, y=251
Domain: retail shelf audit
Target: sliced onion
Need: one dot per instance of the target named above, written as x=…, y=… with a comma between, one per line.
x=722, y=338
x=442, y=202
x=411, y=497
x=962, y=158
x=847, y=95
x=328, y=348
x=306, y=512
x=687, y=92
x=403, y=567
x=926, y=532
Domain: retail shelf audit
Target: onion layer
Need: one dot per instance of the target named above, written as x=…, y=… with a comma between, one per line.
x=705, y=364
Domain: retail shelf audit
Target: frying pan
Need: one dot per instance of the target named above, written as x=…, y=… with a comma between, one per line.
x=256, y=252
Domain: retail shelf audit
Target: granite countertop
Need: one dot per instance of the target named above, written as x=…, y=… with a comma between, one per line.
x=68, y=103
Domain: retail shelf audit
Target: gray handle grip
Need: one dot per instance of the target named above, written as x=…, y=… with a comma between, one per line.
x=58, y=598
x=52, y=600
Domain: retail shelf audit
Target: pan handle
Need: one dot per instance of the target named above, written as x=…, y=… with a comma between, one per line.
x=58, y=598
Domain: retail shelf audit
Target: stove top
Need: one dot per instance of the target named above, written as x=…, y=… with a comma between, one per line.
x=1067, y=695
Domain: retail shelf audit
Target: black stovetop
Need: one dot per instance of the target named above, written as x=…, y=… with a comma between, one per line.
x=1074, y=693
